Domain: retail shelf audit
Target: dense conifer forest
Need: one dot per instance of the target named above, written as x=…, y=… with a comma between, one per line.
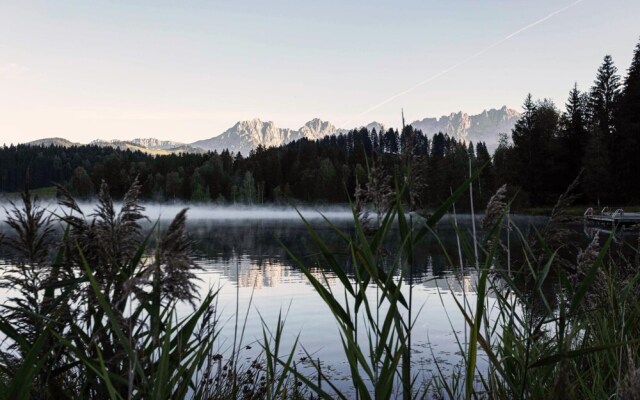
x=596, y=137
x=325, y=170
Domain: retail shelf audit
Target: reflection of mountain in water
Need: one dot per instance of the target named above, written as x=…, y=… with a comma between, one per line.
x=254, y=253
x=455, y=283
x=247, y=272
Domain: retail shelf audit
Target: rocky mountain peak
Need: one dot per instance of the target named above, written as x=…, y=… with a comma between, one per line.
x=245, y=136
x=316, y=129
x=481, y=127
x=153, y=143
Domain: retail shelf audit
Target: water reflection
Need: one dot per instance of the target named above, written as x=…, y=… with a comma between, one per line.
x=455, y=283
x=602, y=232
x=255, y=253
x=249, y=273
x=248, y=261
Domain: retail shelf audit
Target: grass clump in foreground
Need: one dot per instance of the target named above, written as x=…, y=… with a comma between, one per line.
x=98, y=319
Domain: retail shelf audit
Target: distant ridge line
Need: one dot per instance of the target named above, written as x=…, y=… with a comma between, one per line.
x=245, y=136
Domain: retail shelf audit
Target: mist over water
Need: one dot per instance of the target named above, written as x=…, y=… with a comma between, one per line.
x=198, y=211
x=160, y=211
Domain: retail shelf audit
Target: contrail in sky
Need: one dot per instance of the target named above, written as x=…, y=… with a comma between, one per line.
x=464, y=61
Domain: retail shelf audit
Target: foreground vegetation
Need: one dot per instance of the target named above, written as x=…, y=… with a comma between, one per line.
x=94, y=314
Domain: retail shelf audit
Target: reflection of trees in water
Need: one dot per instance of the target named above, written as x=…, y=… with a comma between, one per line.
x=454, y=282
x=253, y=252
x=255, y=240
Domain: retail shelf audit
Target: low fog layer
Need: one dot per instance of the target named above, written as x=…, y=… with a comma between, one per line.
x=239, y=212
x=158, y=211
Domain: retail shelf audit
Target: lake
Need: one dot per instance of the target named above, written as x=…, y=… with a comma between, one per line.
x=243, y=253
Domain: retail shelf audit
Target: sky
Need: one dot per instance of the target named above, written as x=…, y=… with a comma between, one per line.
x=188, y=70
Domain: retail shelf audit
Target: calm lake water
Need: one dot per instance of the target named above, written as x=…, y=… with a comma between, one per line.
x=242, y=253
x=247, y=259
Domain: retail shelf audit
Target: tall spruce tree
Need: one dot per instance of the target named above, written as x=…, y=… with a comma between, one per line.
x=574, y=135
x=533, y=139
x=599, y=178
x=628, y=132
x=522, y=137
x=604, y=96
x=486, y=180
x=576, y=128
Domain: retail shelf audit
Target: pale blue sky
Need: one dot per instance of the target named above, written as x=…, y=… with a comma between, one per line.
x=188, y=70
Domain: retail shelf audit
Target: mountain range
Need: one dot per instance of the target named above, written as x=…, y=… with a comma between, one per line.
x=146, y=145
x=149, y=145
x=245, y=136
x=483, y=127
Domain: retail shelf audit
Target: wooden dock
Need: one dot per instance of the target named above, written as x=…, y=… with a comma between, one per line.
x=617, y=217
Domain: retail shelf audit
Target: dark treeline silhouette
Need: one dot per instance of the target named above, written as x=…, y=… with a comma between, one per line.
x=597, y=136
x=326, y=170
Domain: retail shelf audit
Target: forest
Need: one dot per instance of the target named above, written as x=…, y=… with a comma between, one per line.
x=595, y=138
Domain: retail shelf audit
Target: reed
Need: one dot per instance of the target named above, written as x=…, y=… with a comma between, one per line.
x=547, y=322
x=98, y=318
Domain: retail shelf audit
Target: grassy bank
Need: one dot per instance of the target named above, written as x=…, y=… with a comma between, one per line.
x=48, y=192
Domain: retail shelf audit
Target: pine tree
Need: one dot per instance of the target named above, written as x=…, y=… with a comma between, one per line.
x=576, y=115
x=391, y=142
x=533, y=141
x=604, y=96
x=630, y=99
x=574, y=135
x=486, y=181
x=522, y=137
x=628, y=131
x=603, y=100
x=80, y=184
